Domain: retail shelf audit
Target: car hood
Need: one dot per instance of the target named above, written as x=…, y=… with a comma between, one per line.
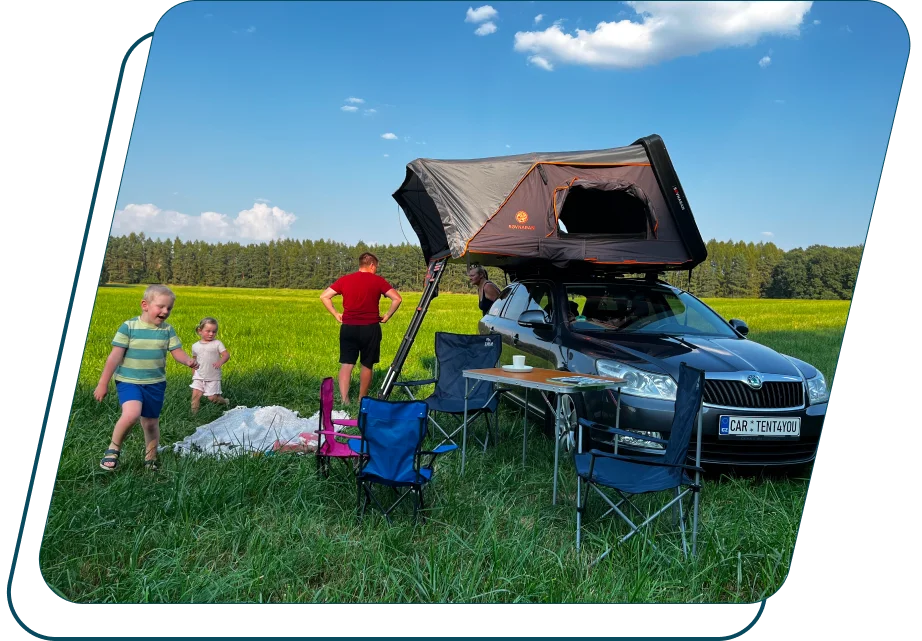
x=711, y=354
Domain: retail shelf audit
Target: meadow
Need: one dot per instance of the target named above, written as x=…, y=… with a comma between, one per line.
x=266, y=529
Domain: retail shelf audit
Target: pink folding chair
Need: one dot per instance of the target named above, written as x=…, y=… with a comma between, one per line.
x=328, y=447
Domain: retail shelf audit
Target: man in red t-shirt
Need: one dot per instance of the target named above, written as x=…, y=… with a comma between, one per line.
x=360, y=331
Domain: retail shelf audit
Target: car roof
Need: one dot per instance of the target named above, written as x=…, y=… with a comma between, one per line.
x=579, y=279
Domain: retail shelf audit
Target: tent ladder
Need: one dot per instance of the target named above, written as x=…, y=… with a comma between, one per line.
x=433, y=276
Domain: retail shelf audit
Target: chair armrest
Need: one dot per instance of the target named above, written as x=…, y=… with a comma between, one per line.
x=614, y=430
x=442, y=449
x=346, y=422
x=428, y=381
x=643, y=461
x=331, y=433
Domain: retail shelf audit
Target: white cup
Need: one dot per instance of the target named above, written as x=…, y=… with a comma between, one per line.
x=518, y=361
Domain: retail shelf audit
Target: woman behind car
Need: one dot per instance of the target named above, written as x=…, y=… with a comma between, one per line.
x=487, y=291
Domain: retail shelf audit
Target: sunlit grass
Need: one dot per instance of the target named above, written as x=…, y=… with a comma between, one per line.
x=265, y=529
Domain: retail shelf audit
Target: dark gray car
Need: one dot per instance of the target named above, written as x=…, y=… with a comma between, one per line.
x=760, y=407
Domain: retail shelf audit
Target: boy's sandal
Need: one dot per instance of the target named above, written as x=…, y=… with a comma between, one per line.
x=111, y=456
x=152, y=464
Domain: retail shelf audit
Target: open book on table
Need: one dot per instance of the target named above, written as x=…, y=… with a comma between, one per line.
x=580, y=381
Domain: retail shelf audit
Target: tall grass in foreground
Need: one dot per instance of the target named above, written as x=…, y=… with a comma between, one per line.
x=265, y=529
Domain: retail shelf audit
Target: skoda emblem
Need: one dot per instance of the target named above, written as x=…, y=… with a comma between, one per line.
x=754, y=381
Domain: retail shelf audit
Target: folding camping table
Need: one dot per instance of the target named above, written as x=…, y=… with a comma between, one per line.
x=538, y=379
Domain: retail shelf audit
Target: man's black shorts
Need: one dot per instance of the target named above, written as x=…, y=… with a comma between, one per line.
x=354, y=339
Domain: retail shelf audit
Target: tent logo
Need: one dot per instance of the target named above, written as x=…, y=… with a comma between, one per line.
x=675, y=190
x=521, y=218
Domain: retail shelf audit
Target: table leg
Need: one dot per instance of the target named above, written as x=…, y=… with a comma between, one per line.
x=525, y=428
x=467, y=383
x=557, y=426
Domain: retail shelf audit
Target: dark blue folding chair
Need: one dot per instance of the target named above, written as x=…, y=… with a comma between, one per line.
x=627, y=476
x=391, y=447
x=454, y=353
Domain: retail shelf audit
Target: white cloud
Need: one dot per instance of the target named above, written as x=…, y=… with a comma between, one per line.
x=539, y=18
x=764, y=61
x=665, y=30
x=768, y=233
x=507, y=146
x=847, y=29
x=779, y=102
x=259, y=223
x=263, y=200
x=387, y=155
x=349, y=108
x=485, y=29
x=816, y=22
x=486, y=12
x=389, y=136
x=542, y=62
x=251, y=29
x=369, y=112
x=355, y=101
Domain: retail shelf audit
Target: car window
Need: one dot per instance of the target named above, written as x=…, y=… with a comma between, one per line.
x=497, y=306
x=636, y=308
x=517, y=303
x=530, y=296
x=539, y=297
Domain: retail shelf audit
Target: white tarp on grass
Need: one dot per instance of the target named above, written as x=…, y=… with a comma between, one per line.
x=243, y=430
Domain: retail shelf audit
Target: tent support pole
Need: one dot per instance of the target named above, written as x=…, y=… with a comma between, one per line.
x=433, y=276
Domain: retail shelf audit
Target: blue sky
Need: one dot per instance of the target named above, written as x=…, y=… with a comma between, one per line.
x=260, y=120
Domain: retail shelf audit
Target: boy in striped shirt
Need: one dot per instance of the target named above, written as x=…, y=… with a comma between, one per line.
x=138, y=360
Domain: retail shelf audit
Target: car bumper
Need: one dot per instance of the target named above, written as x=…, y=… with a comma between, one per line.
x=651, y=415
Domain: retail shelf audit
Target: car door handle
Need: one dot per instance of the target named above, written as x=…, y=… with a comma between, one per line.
x=515, y=339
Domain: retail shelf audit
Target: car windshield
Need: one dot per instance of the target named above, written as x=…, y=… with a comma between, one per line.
x=640, y=309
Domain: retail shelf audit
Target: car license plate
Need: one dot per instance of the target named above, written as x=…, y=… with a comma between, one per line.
x=758, y=426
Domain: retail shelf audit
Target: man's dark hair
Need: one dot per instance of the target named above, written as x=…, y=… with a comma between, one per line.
x=367, y=260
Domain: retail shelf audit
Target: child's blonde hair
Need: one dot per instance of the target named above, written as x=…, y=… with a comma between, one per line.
x=208, y=320
x=153, y=291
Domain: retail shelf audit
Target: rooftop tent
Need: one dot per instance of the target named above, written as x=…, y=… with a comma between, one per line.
x=619, y=207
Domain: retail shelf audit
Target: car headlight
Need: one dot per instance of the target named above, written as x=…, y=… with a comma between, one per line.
x=817, y=390
x=638, y=382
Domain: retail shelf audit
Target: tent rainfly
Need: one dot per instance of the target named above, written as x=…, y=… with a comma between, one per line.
x=621, y=207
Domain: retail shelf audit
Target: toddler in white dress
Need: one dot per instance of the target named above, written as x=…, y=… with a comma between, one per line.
x=210, y=354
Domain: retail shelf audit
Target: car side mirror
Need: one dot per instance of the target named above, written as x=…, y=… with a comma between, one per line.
x=739, y=326
x=534, y=318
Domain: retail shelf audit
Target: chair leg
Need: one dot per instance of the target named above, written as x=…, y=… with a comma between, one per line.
x=420, y=505
x=579, y=509
x=695, y=525
x=682, y=525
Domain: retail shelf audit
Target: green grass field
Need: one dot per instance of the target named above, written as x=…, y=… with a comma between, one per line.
x=265, y=529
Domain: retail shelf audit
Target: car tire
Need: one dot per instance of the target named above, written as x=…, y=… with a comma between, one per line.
x=579, y=408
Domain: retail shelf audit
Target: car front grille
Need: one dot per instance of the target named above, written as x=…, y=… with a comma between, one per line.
x=772, y=394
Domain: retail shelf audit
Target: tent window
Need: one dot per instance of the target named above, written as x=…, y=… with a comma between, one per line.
x=604, y=212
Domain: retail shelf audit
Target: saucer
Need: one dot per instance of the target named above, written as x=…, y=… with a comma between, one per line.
x=513, y=368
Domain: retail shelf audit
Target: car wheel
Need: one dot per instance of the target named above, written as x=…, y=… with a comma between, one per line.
x=573, y=409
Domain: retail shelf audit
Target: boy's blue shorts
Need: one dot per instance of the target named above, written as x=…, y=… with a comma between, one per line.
x=150, y=395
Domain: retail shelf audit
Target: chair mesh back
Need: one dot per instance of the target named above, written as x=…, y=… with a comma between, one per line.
x=687, y=403
x=392, y=433
x=457, y=352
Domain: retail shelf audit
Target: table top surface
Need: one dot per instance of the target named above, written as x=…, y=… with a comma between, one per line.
x=538, y=376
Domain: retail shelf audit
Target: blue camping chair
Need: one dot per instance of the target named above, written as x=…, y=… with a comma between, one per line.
x=454, y=353
x=627, y=476
x=391, y=447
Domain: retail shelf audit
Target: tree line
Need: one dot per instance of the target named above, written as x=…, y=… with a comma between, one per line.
x=732, y=270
